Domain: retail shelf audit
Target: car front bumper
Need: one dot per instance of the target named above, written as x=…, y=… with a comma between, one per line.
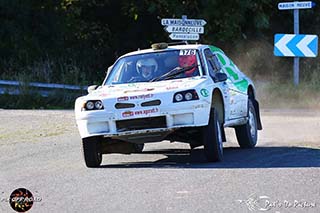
x=121, y=123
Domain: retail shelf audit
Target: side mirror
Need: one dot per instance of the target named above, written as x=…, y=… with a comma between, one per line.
x=219, y=77
x=92, y=88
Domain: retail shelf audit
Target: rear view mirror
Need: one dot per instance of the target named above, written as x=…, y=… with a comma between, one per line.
x=92, y=88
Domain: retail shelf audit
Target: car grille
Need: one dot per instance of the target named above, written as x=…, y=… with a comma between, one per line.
x=141, y=123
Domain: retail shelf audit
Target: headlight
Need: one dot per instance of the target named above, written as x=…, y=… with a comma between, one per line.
x=98, y=105
x=187, y=95
x=93, y=105
x=178, y=97
x=89, y=105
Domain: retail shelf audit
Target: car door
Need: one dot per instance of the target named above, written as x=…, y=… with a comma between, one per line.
x=213, y=67
x=237, y=85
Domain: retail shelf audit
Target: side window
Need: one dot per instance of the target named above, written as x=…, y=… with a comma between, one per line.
x=202, y=59
x=213, y=62
x=208, y=55
x=216, y=62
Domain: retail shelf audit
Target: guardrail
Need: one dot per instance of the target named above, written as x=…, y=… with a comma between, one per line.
x=14, y=87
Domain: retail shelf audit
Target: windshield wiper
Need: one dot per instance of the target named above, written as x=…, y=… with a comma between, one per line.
x=172, y=73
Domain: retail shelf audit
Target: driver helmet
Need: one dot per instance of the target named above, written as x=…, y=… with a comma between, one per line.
x=186, y=61
x=147, y=67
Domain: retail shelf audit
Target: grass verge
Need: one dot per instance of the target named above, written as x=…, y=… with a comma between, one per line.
x=287, y=96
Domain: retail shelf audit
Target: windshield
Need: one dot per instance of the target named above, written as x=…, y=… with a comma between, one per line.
x=155, y=67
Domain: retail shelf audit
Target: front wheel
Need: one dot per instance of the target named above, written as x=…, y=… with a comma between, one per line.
x=92, y=151
x=247, y=134
x=212, y=138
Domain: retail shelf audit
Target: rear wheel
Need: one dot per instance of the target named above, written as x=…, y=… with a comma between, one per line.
x=247, y=134
x=212, y=138
x=92, y=151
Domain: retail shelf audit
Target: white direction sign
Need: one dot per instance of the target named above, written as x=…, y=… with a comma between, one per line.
x=296, y=5
x=184, y=29
x=182, y=36
x=183, y=22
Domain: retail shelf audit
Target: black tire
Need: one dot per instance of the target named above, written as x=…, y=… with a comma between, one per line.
x=138, y=148
x=193, y=146
x=212, y=138
x=247, y=134
x=92, y=151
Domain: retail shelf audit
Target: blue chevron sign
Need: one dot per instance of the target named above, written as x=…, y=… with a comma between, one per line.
x=295, y=45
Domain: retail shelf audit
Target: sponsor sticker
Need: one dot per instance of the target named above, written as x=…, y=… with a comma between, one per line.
x=127, y=114
x=123, y=98
x=204, y=92
x=104, y=95
x=172, y=87
x=140, y=112
x=134, y=97
x=139, y=90
x=199, y=106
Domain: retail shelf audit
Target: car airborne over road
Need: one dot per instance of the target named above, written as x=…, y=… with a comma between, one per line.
x=186, y=93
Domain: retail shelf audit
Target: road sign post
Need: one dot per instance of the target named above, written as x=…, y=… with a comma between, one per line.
x=296, y=59
x=184, y=29
x=281, y=47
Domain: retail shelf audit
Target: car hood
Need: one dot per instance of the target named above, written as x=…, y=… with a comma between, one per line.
x=144, y=88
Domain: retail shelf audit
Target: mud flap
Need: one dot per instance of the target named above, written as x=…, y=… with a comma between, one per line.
x=257, y=109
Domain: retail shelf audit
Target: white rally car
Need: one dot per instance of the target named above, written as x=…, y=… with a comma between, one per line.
x=185, y=93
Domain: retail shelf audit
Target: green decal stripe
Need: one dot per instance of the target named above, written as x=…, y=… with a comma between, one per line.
x=221, y=59
x=242, y=85
x=232, y=64
x=232, y=73
x=215, y=49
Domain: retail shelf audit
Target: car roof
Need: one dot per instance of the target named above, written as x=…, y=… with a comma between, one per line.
x=174, y=47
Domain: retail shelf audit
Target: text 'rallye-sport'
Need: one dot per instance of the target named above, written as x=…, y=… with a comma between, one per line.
x=186, y=93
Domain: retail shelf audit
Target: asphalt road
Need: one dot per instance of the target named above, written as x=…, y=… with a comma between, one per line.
x=40, y=151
